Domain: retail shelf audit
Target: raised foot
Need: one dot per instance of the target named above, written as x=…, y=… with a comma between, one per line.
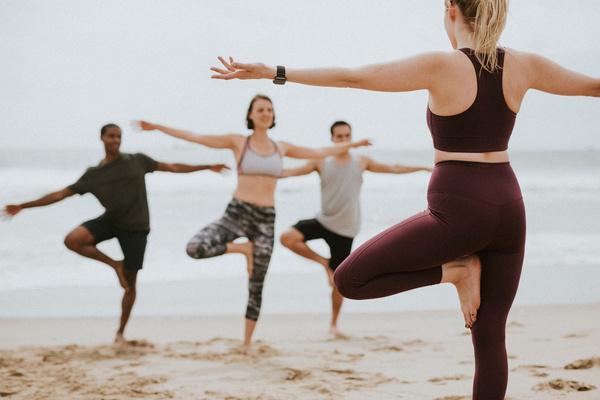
x=329, y=273
x=121, y=275
x=248, y=251
x=465, y=275
x=119, y=338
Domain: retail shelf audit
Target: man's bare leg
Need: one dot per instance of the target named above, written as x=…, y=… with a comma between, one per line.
x=249, y=330
x=293, y=239
x=336, y=307
x=246, y=249
x=127, y=304
x=82, y=242
x=465, y=274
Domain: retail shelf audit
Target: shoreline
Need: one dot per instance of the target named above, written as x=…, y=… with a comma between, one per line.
x=91, y=330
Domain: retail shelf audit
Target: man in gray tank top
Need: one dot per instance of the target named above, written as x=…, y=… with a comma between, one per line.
x=338, y=221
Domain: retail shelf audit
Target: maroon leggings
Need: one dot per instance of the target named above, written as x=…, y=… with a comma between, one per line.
x=473, y=208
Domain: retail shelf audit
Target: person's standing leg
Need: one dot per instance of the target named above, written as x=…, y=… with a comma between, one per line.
x=340, y=248
x=133, y=245
x=127, y=304
x=261, y=231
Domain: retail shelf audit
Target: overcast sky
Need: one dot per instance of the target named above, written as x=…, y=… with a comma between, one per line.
x=67, y=67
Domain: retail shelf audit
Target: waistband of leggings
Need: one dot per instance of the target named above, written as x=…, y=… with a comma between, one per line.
x=253, y=206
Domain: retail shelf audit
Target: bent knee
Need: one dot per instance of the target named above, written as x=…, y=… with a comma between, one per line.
x=78, y=237
x=194, y=251
x=73, y=242
x=69, y=243
x=290, y=237
x=340, y=285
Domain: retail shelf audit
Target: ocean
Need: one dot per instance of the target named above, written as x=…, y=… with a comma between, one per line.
x=39, y=277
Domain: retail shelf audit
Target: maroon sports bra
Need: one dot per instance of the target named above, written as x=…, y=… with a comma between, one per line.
x=485, y=126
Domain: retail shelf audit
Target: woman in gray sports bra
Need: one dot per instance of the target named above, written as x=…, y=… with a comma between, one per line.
x=251, y=212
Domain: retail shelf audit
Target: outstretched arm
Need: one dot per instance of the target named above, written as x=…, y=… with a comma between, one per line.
x=550, y=77
x=48, y=199
x=291, y=150
x=378, y=167
x=301, y=170
x=213, y=141
x=413, y=73
x=184, y=168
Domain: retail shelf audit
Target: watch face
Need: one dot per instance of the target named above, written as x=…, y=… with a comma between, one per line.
x=279, y=80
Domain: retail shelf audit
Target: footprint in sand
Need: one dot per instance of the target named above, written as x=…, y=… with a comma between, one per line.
x=444, y=379
x=539, y=371
x=576, y=335
x=560, y=384
x=292, y=374
x=584, y=364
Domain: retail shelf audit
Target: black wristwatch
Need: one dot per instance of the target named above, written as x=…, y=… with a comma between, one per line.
x=280, y=79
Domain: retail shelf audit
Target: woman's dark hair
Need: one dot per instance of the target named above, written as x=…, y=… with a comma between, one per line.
x=249, y=122
x=105, y=127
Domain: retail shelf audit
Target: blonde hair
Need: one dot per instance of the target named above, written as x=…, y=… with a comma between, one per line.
x=487, y=19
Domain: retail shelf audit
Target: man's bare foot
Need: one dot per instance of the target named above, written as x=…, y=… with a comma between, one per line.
x=121, y=275
x=247, y=350
x=248, y=251
x=120, y=338
x=333, y=330
x=465, y=275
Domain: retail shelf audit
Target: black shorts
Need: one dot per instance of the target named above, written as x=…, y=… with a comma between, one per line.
x=340, y=246
x=133, y=243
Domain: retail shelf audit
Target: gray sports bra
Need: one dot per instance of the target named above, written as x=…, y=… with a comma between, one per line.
x=252, y=163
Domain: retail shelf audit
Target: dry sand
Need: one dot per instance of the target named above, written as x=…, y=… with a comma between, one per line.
x=554, y=353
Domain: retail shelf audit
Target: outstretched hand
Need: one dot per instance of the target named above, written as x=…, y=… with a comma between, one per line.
x=219, y=168
x=236, y=70
x=361, y=143
x=144, y=126
x=9, y=211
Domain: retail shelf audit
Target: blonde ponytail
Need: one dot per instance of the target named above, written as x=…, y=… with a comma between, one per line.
x=487, y=19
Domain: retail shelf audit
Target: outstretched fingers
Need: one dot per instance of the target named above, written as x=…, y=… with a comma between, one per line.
x=236, y=70
x=224, y=73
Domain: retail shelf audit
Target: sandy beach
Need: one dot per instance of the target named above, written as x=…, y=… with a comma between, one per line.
x=554, y=353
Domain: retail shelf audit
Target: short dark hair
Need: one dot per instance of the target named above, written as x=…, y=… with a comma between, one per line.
x=105, y=127
x=249, y=122
x=339, y=123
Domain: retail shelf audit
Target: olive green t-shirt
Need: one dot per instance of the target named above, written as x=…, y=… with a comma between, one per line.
x=120, y=187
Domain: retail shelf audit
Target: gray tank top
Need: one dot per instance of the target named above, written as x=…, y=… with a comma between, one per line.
x=340, y=192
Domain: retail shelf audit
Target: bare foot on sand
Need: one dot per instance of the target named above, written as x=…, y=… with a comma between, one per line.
x=121, y=275
x=247, y=350
x=248, y=251
x=333, y=330
x=120, y=338
x=465, y=275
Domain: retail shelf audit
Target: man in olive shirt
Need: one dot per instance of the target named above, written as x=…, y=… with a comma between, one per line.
x=118, y=182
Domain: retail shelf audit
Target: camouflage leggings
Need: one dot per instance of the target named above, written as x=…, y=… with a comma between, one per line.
x=241, y=220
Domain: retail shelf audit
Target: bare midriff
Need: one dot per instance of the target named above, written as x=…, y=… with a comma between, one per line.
x=489, y=157
x=256, y=189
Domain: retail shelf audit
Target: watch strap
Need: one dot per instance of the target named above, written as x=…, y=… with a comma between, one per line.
x=280, y=78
